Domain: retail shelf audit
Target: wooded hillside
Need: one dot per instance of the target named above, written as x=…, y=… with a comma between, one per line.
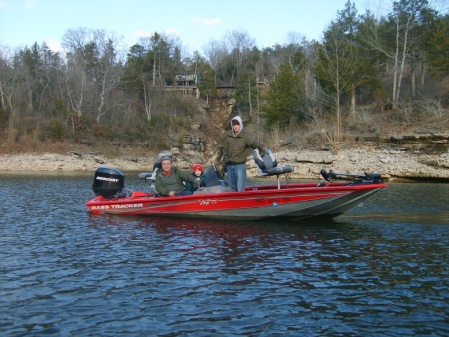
x=368, y=75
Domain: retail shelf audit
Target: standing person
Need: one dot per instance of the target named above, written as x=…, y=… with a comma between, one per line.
x=198, y=172
x=170, y=182
x=233, y=152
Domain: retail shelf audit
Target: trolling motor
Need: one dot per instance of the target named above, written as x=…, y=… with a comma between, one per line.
x=373, y=178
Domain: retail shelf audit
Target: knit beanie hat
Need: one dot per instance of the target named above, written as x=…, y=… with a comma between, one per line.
x=198, y=166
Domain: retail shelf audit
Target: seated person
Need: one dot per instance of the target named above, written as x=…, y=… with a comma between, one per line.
x=170, y=182
x=198, y=172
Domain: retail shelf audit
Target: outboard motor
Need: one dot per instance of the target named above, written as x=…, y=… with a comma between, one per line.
x=108, y=182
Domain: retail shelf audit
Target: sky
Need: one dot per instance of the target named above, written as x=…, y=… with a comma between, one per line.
x=195, y=22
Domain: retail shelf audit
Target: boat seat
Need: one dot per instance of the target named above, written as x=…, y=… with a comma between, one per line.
x=267, y=165
x=151, y=178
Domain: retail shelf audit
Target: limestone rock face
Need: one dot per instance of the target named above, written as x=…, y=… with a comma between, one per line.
x=306, y=163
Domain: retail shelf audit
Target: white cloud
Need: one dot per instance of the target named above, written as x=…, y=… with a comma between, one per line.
x=54, y=45
x=27, y=4
x=206, y=21
x=3, y=4
x=172, y=31
x=145, y=33
x=142, y=33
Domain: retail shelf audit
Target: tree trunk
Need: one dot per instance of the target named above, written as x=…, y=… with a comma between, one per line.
x=154, y=72
x=249, y=97
x=399, y=71
x=11, y=119
x=423, y=72
x=396, y=67
x=353, y=100
x=100, y=107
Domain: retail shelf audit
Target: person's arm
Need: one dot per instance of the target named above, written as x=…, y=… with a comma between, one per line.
x=254, y=144
x=160, y=186
x=202, y=179
x=185, y=176
x=221, y=159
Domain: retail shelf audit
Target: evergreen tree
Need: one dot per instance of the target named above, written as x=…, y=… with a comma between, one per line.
x=207, y=81
x=437, y=45
x=283, y=100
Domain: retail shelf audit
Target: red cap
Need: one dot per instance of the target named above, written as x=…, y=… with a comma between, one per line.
x=198, y=166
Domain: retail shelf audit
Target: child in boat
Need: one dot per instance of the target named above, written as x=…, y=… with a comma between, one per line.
x=198, y=172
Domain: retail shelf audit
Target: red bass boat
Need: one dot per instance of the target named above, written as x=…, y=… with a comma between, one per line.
x=217, y=200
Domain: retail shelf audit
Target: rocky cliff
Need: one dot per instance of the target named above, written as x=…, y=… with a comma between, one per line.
x=414, y=154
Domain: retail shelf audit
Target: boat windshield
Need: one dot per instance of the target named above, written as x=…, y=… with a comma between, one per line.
x=213, y=178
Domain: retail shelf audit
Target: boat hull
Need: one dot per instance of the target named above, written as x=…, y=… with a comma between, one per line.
x=293, y=201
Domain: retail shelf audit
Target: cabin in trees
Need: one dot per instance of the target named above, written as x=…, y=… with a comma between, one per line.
x=187, y=80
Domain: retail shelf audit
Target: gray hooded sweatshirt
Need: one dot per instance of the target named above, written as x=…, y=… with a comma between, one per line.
x=235, y=148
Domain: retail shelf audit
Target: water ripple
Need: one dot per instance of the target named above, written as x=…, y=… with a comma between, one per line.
x=67, y=273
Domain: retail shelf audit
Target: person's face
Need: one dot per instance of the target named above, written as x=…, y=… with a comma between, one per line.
x=197, y=172
x=166, y=165
x=235, y=127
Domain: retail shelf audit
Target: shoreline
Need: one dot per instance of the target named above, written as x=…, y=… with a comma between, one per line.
x=392, y=164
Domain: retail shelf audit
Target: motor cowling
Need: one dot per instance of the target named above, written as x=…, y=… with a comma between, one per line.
x=108, y=182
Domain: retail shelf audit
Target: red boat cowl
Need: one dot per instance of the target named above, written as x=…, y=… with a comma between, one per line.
x=108, y=182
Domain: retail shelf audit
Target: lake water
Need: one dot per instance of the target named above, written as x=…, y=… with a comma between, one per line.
x=379, y=270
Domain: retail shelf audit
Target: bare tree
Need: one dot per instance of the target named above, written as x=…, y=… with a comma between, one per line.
x=337, y=63
x=240, y=44
x=12, y=89
x=93, y=69
x=406, y=16
x=109, y=76
x=215, y=53
x=76, y=72
x=147, y=96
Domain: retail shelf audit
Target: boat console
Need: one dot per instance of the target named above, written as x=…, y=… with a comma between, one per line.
x=213, y=182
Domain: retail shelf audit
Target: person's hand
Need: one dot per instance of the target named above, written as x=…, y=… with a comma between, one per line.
x=197, y=183
x=171, y=193
x=223, y=170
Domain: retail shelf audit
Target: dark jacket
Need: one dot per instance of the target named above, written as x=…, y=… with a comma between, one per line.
x=192, y=187
x=164, y=184
x=235, y=149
